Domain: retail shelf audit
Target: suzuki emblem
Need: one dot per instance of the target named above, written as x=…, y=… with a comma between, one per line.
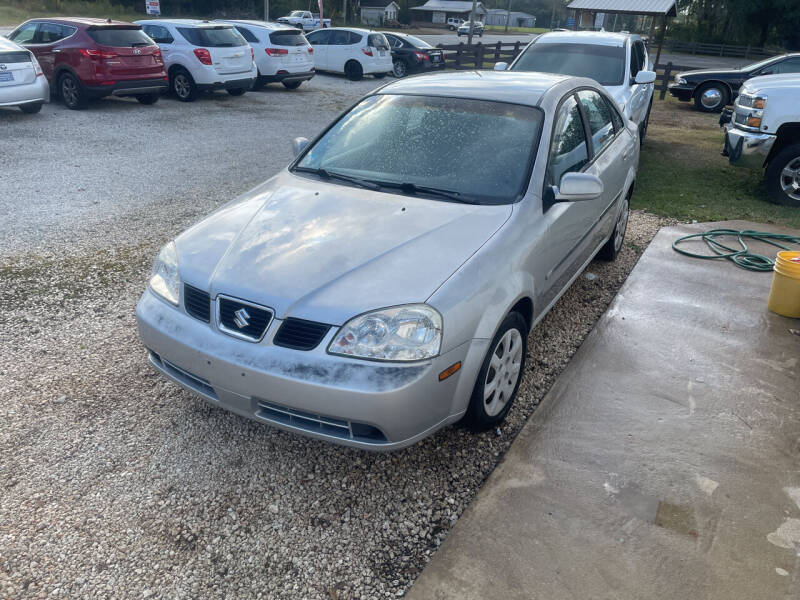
x=241, y=318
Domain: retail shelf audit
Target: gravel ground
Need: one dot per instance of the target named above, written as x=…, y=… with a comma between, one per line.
x=115, y=483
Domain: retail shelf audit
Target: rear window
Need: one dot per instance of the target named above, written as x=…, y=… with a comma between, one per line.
x=290, y=37
x=120, y=38
x=213, y=37
x=15, y=57
x=378, y=41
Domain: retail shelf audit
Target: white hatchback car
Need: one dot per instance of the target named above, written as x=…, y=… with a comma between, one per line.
x=22, y=82
x=282, y=54
x=354, y=52
x=203, y=56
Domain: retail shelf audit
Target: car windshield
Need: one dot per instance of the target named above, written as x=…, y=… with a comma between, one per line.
x=604, y=64
x=759, y=64
x=481, y=151
x=119, y=37
x=296, y=13
x=213, y=37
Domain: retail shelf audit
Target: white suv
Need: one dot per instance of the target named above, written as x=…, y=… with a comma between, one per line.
x=282, y=54
x=354, y=52
x=203, y=56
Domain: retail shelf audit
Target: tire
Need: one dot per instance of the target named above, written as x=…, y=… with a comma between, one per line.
x=353, y=70
x=645, y=123
x=613, y=246
x=711, y=97
x=379, y=75
x=237, y=92
x=182, y=85
x=399, y=68
x=499, y=376
x=782, y=177
x=147, y=99
x=72, y=92
x=291, y=85
x=31, y=109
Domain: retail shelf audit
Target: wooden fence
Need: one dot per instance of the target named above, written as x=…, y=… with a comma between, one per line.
x=720, y=49
x=665, y=74
x=480, y=56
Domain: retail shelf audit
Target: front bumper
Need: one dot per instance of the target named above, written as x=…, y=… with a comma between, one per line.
x=288, y=77
x=29, y=93
x=746, y=148
x=681, y=91
x=370, y=405
x=132, y=87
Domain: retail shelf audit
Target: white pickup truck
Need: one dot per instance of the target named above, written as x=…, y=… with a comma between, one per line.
x=305, y=20
x=763, y=132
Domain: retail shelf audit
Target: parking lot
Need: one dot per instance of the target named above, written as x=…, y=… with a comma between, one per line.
x=119, y=483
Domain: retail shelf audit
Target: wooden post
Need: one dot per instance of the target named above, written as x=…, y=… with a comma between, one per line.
x=497, y=51
x=479, y=56
x=661, y=37
x=458, y=54
x=665, y=82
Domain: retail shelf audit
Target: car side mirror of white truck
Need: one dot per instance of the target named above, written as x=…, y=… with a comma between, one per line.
x=577, y=187
x=645, y=77
x=299, y=144
x=500, y=66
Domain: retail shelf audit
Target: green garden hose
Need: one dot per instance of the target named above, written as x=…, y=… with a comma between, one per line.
x=742, y=257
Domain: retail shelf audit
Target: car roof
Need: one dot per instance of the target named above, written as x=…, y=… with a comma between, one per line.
x=6, y=44
x=254, y=23
x=182, y=22
x=600, y=38
x=500, y=86
x=356, y=29
x=82, y=22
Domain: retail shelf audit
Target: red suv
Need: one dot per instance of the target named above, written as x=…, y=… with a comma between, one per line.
x=92, y=58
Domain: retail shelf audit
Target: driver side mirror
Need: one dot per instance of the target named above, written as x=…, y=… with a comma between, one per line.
x=299, y=144
x=645, y=77
x=500, y=66
x=577, y=187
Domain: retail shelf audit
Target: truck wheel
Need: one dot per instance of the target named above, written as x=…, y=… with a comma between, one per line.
x=783, y=176
x=353, y=70
x=711, y=97
x=500, y=375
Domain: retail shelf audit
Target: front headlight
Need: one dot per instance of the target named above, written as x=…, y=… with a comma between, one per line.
x=400, y=333
x=680, y=80
x=165, y=281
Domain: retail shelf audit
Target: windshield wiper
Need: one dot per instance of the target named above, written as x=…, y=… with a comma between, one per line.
x=324, y=173
x=413, y=188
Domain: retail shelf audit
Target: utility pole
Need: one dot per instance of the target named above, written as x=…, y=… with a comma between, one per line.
x=344, y=11
x=472, y=21
x=508, y=14
x=266, y=10
x=553, y=15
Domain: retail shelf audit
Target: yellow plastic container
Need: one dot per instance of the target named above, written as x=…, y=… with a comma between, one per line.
x=784, y=296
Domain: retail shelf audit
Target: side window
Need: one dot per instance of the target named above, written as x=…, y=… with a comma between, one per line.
x=339, y=38
x=50, y=33
x=568, y=151
x=642, y=52
x=319, y=37
x=636, y=64
x=25, y=34
x=599, y=116
x=160, y=35
x=790, y=65
x=355, y=38
x=619, y=124
x=247, y=34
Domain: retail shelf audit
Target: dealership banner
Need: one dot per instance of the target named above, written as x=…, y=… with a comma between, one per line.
x=153, y=7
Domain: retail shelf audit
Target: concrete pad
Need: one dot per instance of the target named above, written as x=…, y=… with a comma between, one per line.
x=663, y=463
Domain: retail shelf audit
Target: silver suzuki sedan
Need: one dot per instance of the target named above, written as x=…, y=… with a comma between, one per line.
x=383, y=286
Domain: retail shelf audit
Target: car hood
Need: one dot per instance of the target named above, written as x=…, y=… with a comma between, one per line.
x=327, y=252
x=756, y=85
x=709, y=74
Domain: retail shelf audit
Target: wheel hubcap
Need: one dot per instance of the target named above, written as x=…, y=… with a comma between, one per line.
x=181, y=86
x=790, y=179
x=622, y=226
x=399, y=69
x=711, y=98
x=503, y=372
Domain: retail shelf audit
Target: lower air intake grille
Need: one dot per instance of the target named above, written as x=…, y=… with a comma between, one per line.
x=197, y=303
x=346, y=430
x=243, y=319
x=300, y=335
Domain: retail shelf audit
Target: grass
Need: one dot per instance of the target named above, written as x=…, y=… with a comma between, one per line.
x=682, y=174
x=14, y=12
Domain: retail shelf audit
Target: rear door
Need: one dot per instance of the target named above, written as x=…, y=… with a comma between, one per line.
x=128, y=53
x=319, y=41
x=342, y=47
x=16, y=68
x=230, y=52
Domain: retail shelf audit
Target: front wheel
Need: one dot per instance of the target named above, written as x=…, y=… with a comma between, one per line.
x=353, y=70
x=613, y=246
x=711, y=97
x=783, y=176
x=31, y=109
x=147, y=98
x=291, y=85
x=500, y=375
